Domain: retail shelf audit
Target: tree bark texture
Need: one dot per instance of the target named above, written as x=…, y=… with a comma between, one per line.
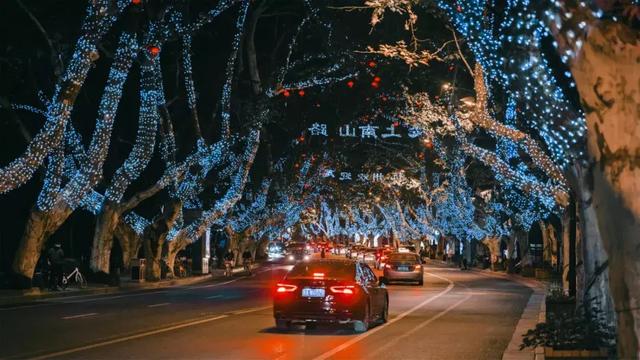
x=154, y=237
x=130, y=243
x=40, y=225
x=106, y=223
x=607, y=75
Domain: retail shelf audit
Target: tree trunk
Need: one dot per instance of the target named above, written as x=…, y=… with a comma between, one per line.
x=173, y=247
x=130, y=243
x=40, y=225
x=493, y=244
x=605, y=70
x=106, y=223
x=153, y=255
x=566, y=251
x=154, y=237
x=522, y=239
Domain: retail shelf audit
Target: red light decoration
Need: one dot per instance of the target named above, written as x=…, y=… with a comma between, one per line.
x=286, y=93
x=396, y=123
x=153, y=50
x=350, y=84
x=377, y=79
x=451, y=68
x=372, y=64
x=375, y=84
x=301, y=93
x=136, y=2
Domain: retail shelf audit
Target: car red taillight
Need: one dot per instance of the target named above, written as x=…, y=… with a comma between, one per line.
x=347, y=290
x=285, y=288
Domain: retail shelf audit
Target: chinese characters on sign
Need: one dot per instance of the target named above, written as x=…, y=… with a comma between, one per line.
x=366, y=131
x=394, y=177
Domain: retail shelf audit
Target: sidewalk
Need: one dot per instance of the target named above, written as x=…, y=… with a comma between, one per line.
x=14, y=297
x=534, y=313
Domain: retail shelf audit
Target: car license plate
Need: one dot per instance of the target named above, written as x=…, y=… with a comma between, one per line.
x=312, y=292
x=403, y=268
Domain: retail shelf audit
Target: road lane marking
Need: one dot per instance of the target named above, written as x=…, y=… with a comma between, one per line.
x=361, y=337
x=78, y=316
x=158, y=305
x=394, y=341
x=146, y=333
x=214, y=297
x=250, y=310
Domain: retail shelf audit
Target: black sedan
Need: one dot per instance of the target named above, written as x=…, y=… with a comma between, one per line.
x=330, y=291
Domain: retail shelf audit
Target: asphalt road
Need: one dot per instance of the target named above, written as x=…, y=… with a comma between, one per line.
x=455, y=315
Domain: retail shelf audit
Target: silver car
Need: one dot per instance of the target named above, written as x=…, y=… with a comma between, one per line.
x=403, y=267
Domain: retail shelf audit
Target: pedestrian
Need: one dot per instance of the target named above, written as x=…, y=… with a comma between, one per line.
x=55, y=257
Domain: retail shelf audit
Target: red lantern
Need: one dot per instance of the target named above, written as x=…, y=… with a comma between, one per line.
x=372, y=64
x=286, y=93
x=375, y=84
x=350, y=84
x=396, y=123
x=136, y=2
x=301, y=92
x=377, y=79
x=153, y=50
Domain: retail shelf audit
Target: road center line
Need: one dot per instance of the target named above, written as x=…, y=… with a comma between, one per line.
x=78, y=316
x=147, y=333
x=158, y=305
x=361, y=337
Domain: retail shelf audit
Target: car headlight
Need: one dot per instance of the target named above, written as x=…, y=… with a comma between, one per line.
x=291, y=257
x=306, y=257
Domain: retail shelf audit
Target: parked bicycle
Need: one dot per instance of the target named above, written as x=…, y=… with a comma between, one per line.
x=74, y=277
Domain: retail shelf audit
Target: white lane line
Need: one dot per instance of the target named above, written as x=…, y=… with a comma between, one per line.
x=158, y=305
x=251, y=310
x=78, y=316
x=145, y=334
x=394, y=341
x=361, y=337
x=214, y=297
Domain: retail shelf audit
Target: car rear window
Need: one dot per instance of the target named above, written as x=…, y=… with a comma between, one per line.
x=403, y=257
x=342, y=270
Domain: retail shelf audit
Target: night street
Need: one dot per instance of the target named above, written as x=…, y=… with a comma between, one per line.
x=456, y=315
x=407, y=179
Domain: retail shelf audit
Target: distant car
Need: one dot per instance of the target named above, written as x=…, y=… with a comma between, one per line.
x=403, y=267
x=381, y=256
x=369, y=254
x=297, y=252
x=352, y=251
x=407, y=249
x=337, y=291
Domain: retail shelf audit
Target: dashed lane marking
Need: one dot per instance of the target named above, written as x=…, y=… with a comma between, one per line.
x=149, y=333
x=359, y=338
x=78, y=316
x=158, y=305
